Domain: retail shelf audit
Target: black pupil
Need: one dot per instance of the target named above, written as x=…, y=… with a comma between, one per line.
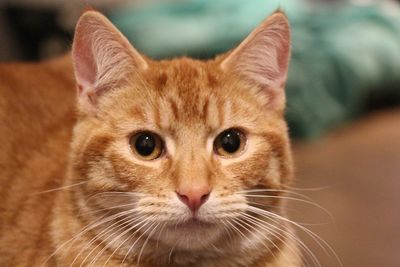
x=230, y=141
x=145, y=144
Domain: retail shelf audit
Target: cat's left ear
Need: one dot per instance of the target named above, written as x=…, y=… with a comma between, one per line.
x=262, y=59
x=103, y=58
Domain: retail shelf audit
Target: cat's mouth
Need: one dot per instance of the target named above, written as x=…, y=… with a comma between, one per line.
x=192, y=224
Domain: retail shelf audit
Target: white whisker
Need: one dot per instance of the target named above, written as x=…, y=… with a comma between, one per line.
x=170, y=253
x=84, y=230
x=129, y=227
x=311, y=188
x=252, y=203
x=228, y=231
x=263, y=242
x=245, y=192
x=281, y=234
x=137, y=240
x=294, y=199
x=59, y=188
x=104, y=232
x=95, y=211
x=322, y=243
x=238, y=231
x=145, y=243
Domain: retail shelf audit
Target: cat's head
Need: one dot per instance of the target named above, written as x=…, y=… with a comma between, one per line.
x=177, y=146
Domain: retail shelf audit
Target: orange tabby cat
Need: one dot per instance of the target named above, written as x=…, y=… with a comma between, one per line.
x=172, y=163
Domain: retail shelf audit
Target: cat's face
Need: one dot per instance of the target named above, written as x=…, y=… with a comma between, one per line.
x=170, y=148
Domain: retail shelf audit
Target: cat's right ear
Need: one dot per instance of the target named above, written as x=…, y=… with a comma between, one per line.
x=103, y=58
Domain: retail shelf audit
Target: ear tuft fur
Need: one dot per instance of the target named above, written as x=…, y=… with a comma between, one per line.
x=263, y=58
x=102, y=57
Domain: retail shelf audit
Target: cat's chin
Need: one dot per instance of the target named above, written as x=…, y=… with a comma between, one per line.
x=192, y=225
x=192, y=234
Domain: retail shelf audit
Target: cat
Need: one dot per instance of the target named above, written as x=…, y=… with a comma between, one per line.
x=175, y=162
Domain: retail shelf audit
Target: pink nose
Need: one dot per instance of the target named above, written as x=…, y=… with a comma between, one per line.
x=194, y=198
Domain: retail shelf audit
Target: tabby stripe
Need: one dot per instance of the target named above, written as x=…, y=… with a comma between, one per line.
x=281, y=151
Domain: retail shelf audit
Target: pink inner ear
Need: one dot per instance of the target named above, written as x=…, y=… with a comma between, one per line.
x=283, y=56
x=264, y=59
x=103, y=57
x=263, y=56
x=85, y=65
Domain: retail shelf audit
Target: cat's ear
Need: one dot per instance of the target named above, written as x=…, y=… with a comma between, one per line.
x=103, y=58
x=262, y=58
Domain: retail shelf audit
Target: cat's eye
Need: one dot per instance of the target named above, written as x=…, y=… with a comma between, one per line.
x=229, y=142
x=147, y=145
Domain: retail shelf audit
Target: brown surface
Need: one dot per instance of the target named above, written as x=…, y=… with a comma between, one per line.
x=360, y=165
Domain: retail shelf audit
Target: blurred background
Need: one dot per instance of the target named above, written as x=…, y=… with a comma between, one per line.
x=343, y=96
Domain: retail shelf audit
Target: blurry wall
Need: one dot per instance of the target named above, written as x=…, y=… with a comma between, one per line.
x=37, y=29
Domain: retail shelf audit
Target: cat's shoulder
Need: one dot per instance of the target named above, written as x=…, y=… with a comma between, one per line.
x=36, y=101
x=19, y=74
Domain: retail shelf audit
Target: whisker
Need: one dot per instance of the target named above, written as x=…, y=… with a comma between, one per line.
x=279, y=232
x=252, y=203
x=271, y=215
x=258, y=231
x=228, y=231
x=103, y=233
x=145, y=243
x=58, y=188
x=137, y=240
x=126, y=193
x=314, y=236
x=159, y=233
x=284, y=234
x=311, y=188
x=250, y=218
x=95, y=211
x=170, y=253
x=275, y=191
x=238, y=231
x=296, y=199
x=84, y=230
x=103, y=195
x=128, y=227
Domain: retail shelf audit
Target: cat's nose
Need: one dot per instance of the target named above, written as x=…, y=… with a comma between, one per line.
x=194, y=197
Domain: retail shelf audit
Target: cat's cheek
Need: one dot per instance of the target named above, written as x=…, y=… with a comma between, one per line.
x=273, y=177
x=133, y=172
x=102, y=176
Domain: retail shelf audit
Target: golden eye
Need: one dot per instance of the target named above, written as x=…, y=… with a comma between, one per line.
x=147, y=145
x=229, y=142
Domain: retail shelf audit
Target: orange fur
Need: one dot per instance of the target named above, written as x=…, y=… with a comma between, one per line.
x=188, y=103
x=36, y=117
